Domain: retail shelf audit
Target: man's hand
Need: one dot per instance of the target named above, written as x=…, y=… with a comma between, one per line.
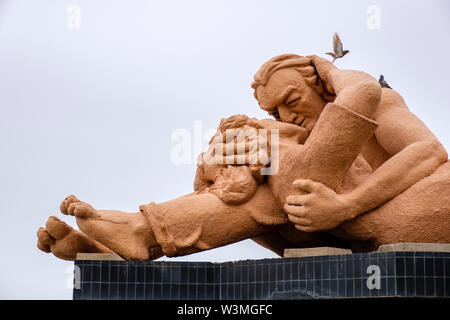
x=318, y=208
x=326, y=71
x=356, y=90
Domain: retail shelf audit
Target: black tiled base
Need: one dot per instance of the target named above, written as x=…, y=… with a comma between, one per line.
x=401, y=274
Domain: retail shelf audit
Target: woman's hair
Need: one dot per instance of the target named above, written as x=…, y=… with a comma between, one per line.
x=232, y=183
x=302, y=65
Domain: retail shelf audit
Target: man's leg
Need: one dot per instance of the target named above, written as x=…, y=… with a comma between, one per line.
x=419, y=214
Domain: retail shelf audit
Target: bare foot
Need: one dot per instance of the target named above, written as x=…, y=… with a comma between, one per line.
x=65, y=242
x=127, y=234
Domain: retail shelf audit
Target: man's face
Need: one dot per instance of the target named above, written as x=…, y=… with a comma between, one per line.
x=288, y=98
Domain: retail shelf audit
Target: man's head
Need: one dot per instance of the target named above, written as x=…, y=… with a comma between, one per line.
x=288, y=88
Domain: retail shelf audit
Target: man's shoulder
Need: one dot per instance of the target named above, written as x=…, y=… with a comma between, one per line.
x=392, y=98
x=391, y=103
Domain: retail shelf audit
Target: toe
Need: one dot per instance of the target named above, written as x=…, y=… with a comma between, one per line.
x=63, y=207
x=44, y=237
x=43, y=247
x=56, y=228
x=82, y=210
x=67, y=202
x=44, y=240
x=71, y=208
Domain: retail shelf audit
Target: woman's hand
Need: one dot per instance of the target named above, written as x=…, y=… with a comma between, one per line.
x=318, y=208
x=245, y=145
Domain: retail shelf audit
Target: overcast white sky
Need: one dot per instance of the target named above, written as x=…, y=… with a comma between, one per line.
x=91, y=111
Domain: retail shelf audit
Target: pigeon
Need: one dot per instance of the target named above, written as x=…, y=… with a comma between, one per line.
x=383, y=83
x=337, y=48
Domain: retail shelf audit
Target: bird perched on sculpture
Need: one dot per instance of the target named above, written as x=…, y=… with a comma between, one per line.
x=383, y=82
x=338, y=51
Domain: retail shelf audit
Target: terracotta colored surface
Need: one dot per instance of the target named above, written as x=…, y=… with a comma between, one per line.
x=356, y=169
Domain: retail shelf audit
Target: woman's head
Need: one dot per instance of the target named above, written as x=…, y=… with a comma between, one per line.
x=288, y=88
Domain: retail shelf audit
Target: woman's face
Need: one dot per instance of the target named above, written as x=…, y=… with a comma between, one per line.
x=288, y=98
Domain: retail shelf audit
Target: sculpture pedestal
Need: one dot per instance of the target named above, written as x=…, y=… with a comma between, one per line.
x=361, y=275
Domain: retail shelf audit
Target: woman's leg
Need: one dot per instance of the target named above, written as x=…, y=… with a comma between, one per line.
x=188, y=224
x=198, y=222
x=65, y=242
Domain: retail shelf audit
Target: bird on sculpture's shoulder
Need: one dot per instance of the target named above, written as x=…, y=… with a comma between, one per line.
x=337, y=48
x=383, y=82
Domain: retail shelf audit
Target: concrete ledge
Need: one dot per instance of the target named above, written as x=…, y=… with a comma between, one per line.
x=99, y=256
x=410, y=246
x=314, y=252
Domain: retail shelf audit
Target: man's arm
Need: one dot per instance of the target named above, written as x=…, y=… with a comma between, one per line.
x=355, y=90
x=416, y=153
